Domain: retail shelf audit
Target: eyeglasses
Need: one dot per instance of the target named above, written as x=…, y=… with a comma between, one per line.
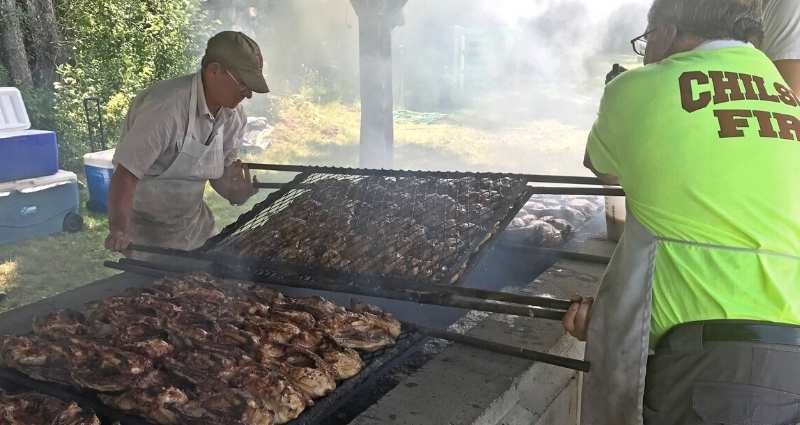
x=639, y=43
x=242, y=87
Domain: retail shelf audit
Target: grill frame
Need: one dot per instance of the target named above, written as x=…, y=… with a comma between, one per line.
x=463, y=262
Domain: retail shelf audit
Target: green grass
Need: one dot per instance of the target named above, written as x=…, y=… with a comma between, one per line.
x=40, y=268
x=308, y=133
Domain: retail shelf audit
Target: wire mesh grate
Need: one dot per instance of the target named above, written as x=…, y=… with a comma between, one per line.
x=420, y=228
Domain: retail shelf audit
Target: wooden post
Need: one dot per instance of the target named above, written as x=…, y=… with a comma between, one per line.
x=376, y=20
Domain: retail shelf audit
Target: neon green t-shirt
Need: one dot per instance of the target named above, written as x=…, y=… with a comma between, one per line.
x=706, y=145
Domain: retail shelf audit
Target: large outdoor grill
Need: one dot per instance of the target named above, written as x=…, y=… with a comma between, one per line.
x=388, y=236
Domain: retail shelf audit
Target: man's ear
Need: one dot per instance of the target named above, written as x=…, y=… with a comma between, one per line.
x=660, y=43
x=214, y=68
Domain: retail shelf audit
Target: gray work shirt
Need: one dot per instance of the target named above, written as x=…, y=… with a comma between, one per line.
x=157, y=123
x=782, y=30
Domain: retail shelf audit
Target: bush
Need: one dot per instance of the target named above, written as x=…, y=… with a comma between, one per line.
x=117, y=49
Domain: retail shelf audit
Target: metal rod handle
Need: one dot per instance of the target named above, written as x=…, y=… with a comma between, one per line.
x=196, y=255
x=572, y=255
x=544, y=303
x=495, y=347
x=439, y=299
x=420, y=173
x=127, y=267
x=578, y=191
x=268, y=185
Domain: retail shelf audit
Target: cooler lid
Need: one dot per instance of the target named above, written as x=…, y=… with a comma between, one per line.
x=13, y=116
x=22, y=133
x=102, y=159
x=38, y=183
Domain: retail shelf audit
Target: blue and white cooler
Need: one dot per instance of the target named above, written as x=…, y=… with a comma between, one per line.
x=39, y=207
x=24, y=153
x=99, y=169
x=36, y=199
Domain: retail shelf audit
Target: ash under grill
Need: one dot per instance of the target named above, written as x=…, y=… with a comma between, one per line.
x=426, y=228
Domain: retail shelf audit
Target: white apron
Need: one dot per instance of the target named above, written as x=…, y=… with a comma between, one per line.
x=168, y=209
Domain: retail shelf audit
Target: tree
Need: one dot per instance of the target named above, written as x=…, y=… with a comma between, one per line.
x=13, y=45
x=44, y=41
x=117, y=48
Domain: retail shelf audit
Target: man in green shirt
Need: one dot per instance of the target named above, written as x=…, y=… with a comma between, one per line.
x=705, y=141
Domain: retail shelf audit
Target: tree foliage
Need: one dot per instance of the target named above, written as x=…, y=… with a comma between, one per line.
x=116, y=49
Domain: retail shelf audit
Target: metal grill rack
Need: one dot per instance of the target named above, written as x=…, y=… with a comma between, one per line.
x=426, y=227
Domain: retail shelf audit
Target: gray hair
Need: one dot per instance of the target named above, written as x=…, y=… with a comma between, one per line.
x=712, y=19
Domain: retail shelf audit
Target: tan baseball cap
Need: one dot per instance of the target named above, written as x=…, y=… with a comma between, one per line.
x=241, y=55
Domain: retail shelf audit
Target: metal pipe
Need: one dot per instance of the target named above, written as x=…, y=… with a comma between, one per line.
x=260, y=185
x=543, y=302
x=144, y=271
x=430, y=298
x=376, y=282
x=495, y=347
x=578, y=191
x=331, y=285
x=572, y=255
x=420, y=173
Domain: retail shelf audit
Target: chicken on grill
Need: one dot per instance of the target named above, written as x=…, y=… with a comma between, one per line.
x=412, y=227
x=39, y=409
x=197, y=350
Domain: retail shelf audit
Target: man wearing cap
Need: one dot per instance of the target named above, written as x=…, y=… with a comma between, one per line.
x=178, y=135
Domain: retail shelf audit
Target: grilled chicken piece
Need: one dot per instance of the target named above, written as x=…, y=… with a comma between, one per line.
x=267, y=296
x=268, y=330
x=346, y=362
x=73, y=415
x=378, y=317
x=61, y=324
x=306, y=370
x=39, y=409
x=199, y=367
x=302, y=319
x=319, y=307
x=225, y=407
x=158, y=404
x=310, y=339
x=190, y=329
x=36, y=357
x=75, y=362
x=561, y=225
x=273, y=391
x=370, y=341
x=104, y=368
x=358, y=331
x=152, y=348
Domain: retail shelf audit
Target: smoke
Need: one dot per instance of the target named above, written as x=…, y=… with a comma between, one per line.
x=492, y=64
x=516, y=59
